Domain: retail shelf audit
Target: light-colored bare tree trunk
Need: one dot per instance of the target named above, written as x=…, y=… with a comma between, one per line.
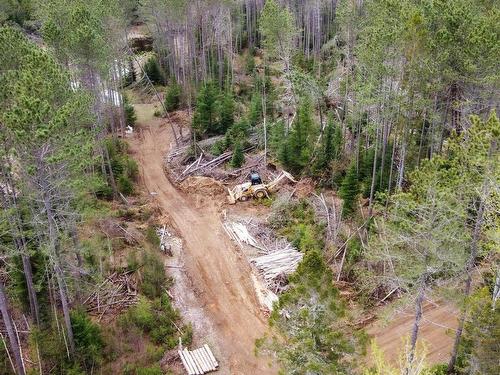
x=9, y=326
x=416, y=324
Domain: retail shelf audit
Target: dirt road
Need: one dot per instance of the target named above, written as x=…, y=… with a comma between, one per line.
x=220, y=277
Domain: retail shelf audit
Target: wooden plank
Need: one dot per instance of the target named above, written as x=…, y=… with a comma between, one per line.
x=199, y=361
x=189, y=359
x=197, y=367
x=187, y=366
x=207, y=359
x=210, y=354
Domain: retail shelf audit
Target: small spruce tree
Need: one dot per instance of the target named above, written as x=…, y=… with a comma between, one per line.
x=173, y=97
x=255, y=113
x=226, y=113
x=300, y=139
x=205, y=115
x=250, y=63
x=238, y=155
x=349, y=191
x=130, y=115
x=153, y=71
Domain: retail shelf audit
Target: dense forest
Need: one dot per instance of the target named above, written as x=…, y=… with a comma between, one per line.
x=386, y=110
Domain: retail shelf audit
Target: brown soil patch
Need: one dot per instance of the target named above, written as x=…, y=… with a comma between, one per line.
x=436, y=332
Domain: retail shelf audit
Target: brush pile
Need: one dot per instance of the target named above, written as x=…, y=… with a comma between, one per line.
x=116, y=293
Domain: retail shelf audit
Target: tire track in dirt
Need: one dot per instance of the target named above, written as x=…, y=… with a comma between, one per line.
x=219, y=274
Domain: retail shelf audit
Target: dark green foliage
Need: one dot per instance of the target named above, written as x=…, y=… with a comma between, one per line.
x=152, y=236
x=131, y=76
x=88, y=340
x=297, y=223
x=124, y=184
x=331, y=148
x=219, y=147
x=173, y=97
x=153, y=71
x=18, y=11
x=314, y=311
x=479, y=349
x=237, y=133
x=238, y=158
x=157, y=318
x=130, y=116
x=304, y=62
x=205, y=115
x=153, y=275
x=249, y=62
x=226, y=113
x=276, y=136
x=124, y=168
x=255, y=113
x=349, y=191
x=297, y=153
x=312, y=303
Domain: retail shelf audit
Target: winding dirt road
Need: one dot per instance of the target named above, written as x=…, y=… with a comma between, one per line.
x=220, y=277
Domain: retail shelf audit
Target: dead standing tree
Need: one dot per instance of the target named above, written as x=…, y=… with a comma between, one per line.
x=15, y=345
x=422, y=240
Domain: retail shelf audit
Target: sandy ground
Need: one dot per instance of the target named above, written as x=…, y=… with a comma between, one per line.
x=219, y=294
x=436, y=332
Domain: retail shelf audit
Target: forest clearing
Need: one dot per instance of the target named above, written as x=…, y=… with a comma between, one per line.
x=249, y=187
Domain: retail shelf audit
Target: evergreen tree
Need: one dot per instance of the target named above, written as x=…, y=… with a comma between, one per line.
x=277, y=26
x=226, y=113
x=130, y=115
x=249, y=63
x=255, y=112
x=315, y=342
x=237, y=133
x=331, y=146
x=205, y=115
x=301, y=138
x=153, y=71
x=238, y=158
x=173, y=97
x=480, y=347
x=349, y=191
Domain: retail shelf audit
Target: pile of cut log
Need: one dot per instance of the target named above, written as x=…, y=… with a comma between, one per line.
x=240, y=234
x=199, y=166
x=278, y=263
x=279, y=258
x=114, y=294
x=199, y=361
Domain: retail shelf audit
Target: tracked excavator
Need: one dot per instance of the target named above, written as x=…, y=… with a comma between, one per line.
x=255, y=188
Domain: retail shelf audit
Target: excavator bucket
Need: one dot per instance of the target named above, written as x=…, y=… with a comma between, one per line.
x=231, y=196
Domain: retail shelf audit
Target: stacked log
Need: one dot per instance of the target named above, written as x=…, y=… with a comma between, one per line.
x=280, y=262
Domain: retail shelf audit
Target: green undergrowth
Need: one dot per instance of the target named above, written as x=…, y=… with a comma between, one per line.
x=310, y=316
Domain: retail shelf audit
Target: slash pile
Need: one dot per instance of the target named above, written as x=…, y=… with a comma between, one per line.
x=116, y=293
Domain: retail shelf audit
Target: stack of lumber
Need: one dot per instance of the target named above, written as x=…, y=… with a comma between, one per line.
x=280, y=262
x=114, y=294
x=199, y=361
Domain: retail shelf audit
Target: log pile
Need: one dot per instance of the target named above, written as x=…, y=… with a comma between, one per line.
x=279, y=258
x=183, y=164
x=116, y=293
x=239, y=233
x=199, y=361
x=278, y=263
